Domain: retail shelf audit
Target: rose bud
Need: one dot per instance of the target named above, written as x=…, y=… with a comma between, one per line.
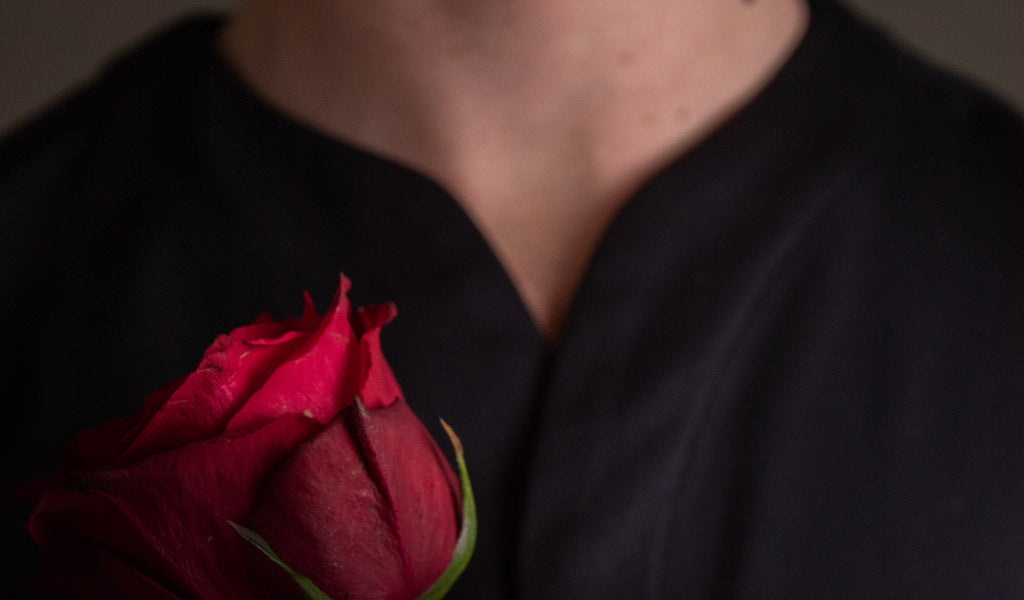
x=266, y=433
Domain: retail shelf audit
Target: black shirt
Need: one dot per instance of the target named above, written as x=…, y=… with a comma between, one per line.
x=793, y=368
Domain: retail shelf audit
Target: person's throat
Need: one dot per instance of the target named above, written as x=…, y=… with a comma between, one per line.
x=540, y=118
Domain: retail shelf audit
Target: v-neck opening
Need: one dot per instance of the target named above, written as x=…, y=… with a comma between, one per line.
x=353, y=150
x=386, y=166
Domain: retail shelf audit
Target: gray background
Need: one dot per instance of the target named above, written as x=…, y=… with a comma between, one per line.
x=49, y=46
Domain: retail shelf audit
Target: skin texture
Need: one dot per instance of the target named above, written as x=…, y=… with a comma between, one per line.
x=540, y=118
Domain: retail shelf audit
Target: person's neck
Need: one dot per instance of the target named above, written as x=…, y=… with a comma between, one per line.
x=539, y=116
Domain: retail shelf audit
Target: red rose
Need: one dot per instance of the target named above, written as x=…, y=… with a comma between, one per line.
x=265, y=433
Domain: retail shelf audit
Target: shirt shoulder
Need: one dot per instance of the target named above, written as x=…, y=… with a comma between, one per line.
x=924, y=146
x=149, y=86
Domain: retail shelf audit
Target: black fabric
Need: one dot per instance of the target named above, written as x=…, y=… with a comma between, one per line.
x=793, y=369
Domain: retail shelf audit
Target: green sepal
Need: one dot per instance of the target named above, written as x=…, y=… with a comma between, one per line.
x=467, y=534
x=309, y=589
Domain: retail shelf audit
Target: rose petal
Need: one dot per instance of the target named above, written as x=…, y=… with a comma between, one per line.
x=367, y=509
x=169, y=512
x=318, y=379
x=423, y=491
x=102, y=445
x=309, y=317
x=201, y=407
x=79, y=568
x=380, y=388
x=232, y=369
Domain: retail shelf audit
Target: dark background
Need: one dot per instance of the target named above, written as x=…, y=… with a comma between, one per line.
x=47, y=46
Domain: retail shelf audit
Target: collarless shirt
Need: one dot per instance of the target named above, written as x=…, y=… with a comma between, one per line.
x=792, y=369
